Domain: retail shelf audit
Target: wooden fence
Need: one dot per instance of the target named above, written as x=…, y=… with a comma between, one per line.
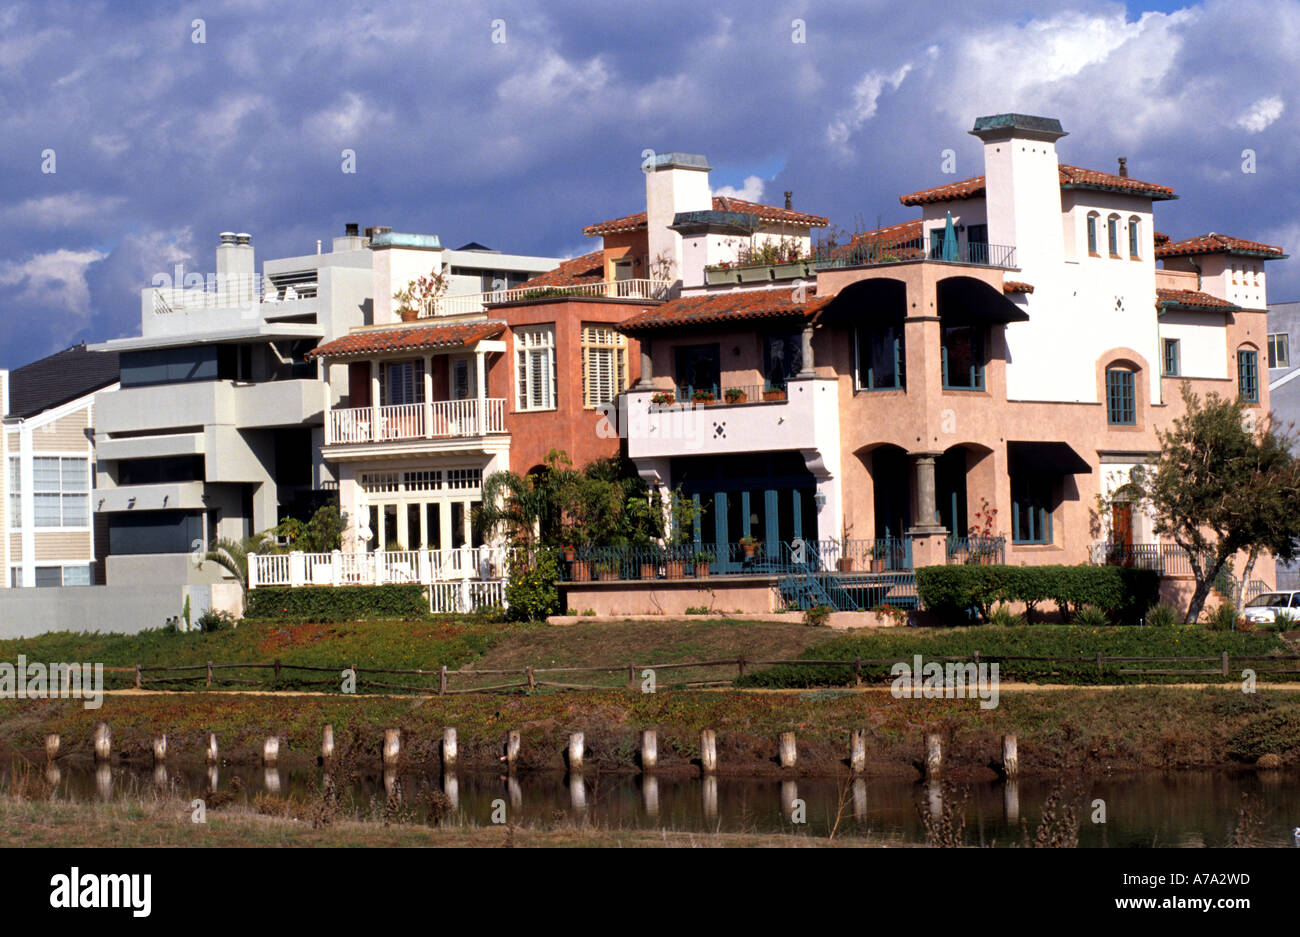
x=212, y=674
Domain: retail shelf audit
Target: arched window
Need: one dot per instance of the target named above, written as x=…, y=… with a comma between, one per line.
x=1248, y=374
x=1121, y=396
x=1112, y=235
x=1133, y=238
x=1092, y=233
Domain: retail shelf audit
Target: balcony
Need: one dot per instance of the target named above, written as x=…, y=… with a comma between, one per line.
x=636, y=289
x=233, y=292
x=870, y=254
x=442, y=419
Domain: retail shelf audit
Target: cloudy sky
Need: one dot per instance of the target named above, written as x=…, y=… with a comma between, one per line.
x=160, y=142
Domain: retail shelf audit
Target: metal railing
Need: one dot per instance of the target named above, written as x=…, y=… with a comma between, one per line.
x=226, y=291
x=1167, y=559
x=869, y=253
x=439, y=419
x=730, y=395
x=640, y=288
x=381, y=568
x=702, y=559
x=977, y=551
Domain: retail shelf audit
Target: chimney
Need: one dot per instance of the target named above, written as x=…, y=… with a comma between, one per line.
x=1022, y=186
x=235, y=265
x=789, y=199
x=351, y=240
x=674, y=183
x=1123, y=167
x=351, y=229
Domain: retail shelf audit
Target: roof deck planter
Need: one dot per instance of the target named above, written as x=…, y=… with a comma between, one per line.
x=755, y=274
x=721, y=275
x=791, y=269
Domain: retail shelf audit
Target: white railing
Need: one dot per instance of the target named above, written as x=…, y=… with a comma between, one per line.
x=612, y=289
x=466, y=596
x=423, y=567
x=232, y=291
x=440, y=419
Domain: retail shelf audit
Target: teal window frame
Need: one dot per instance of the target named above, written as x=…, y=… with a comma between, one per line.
x=864, y=372
x=1092, y=234
x=1172, y=357
x=1112, y=236
x=1121, y=397
x=1133, y=238
x=1032, y=496
x=1248, y=375
x=978, y=345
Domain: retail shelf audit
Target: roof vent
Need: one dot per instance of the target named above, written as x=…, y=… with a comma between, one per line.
x=1123, y=167
x=227, y=237
x=789, y=199
x=243, y=239
x=351, y=229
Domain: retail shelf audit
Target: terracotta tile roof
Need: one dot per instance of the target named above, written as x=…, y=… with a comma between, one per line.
x=1160, y=237
x=890, y=235
x=719, y=308
x=769, y=213
x=1016, y=286
x=1219, y=244
x=589, y=268
x=1191, y=299
x=408, y=338
x=1072, y=177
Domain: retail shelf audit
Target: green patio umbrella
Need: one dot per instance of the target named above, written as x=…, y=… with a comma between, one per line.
x=949, y=240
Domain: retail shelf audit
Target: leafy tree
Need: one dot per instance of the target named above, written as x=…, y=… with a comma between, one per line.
x=1217, y=488
x=321, y=534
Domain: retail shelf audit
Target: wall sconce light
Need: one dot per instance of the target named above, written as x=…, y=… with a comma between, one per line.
x=819, y=499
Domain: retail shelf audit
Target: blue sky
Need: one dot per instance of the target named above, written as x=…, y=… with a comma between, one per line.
x=161, y=143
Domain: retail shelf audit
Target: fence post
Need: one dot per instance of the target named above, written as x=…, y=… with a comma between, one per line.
x=277, y=668
x=1099, y=663
x=1010, y=758
x=709, y=750
x=857, y=751
x=209, y=673
x=857, y=671
x=1225, y=663
x=531, y=683
x=933, y=755
x=442, y=680
x=336, y=566
x=789, y=751
x=252, y=571
x=137, y=677
x=740, y=665
x=631, y=676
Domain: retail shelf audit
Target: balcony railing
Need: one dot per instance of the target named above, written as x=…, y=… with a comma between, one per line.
x=226, y=293
x=1167, y=559
x=699, y=559
x=441, y=419
x=382, y=568
x=977, y=551
x=644, y=289
x=868, y=253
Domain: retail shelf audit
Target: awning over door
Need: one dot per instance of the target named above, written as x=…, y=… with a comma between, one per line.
x=1057, y=457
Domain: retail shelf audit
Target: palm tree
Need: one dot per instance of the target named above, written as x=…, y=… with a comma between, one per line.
x=232, y=555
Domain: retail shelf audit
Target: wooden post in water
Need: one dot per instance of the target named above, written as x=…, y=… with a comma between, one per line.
x=575, y=751
x=212, y=748
x=1011, y=800
x=103, y=742
x=933, y=755
x=1010, y=759
x=649, y=749
x=860, y=800
x=512, y=749
x=51, y=746
x=857, y=751
x=160, y=749
x=709, y=791
x=270, y=751
x=327, y=742
x=449, y=747
x=392, y=747
x=709, y=750
x=789, y=751
x=650, y=795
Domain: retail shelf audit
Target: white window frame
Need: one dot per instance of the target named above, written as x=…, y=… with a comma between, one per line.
x=90, y=485
x=601, y=341
x=1282, y=361
x=15, y=490
x=531, y=344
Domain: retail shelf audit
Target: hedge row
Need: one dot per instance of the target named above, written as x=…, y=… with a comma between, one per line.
x=953, y=591
x=337, y=603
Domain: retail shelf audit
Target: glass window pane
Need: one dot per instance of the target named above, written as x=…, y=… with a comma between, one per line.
x=75, y=475
x=76, y=575
x=76, y=511
x=45, y=474
x=49, y=576
x=46, y=509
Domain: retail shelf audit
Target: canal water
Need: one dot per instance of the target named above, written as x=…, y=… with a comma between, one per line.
x=1175, y=809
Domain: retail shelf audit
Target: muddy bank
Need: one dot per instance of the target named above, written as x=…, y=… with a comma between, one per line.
x=1080, y=730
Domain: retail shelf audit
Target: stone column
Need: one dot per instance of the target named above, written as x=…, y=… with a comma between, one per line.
x=808, y=367
x=928, y=537
x=374, y=400
x=647, y=366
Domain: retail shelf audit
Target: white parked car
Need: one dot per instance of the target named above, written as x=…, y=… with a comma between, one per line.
x=1264, y=609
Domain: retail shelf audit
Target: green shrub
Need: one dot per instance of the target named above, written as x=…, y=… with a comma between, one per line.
x=1223, y=618
x=1005, y=618
x=1274, y=733
x=817, y=616
x=698, y=610
x=337, y=603
x=531, y=592
x=212, y=620
x=954, y=591
x=1091, y=617
x=1162, y=616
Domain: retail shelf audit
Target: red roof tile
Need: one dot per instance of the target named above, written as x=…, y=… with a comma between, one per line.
x=1072, y=177
x=718, y=308
x=1160, y=237
x=769, y=213
x=589, y=268
x=408, y=338
x=1219, y=244
x=1016, y=286
x=1192, y=299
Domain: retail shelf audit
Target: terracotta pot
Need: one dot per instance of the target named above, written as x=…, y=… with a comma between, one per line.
x=702, y=570
x=408, y=315
x=569, y=555
x=737, y=398
x=608, y=575
x=750, y=549
x=845, y=565
x=581, y=570
x=676, y=569
x=773, y=395
x=649, y=571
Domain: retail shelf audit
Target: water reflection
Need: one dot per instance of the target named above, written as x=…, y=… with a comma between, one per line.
x=1174, y=809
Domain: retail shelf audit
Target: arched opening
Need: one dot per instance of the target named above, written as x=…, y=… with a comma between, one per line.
x=891, y=481
x=968, y=311
x=871, y=312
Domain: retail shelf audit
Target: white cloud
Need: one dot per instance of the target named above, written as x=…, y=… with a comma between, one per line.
x=751, y=191
x=56, y=211
x=1259, y=115
x=866, y=98
x=54, y=281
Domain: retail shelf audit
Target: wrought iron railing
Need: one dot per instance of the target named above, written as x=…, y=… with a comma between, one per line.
x=977, y=551
x=869, y=253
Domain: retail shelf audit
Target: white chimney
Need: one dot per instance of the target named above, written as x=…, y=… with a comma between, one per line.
x=674, y=182
x=235, y=265
x=1022, y=186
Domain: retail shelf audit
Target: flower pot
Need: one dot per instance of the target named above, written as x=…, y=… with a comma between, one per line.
x=676, y=569
x=787, y=271
x=569, y=554
x=649, y=571
x=750, y=549
x=845, y=565
x=607, y=575
x=702, y=570
x=408, y=315
x=773, y=395
x=581, y=570
x=736, y=398
x=704, y=401
x=715, y=277
x=754, y=274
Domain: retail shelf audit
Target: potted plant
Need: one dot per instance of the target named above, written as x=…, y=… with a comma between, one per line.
x=735, y=395
x=703, y=397
x=650, y=561
x=607, y=570
x=702, y=561
x=569, y=552
x=662, y=400
x=581, y=570
x=420, y=294
x=775, y=393
x=749, y=546
x=845, y=562
x=674, y=564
